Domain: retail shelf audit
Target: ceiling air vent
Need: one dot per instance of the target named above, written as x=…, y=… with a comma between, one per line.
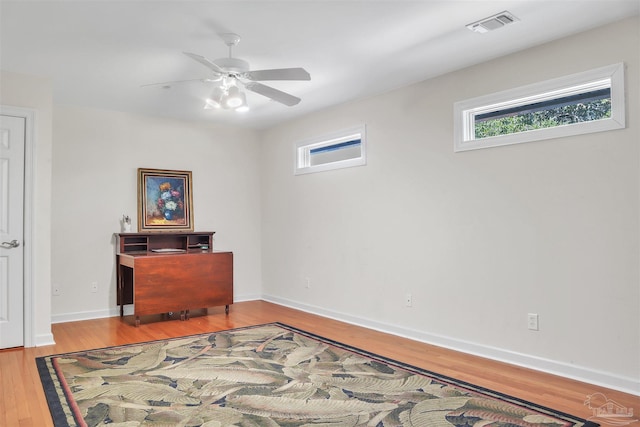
x=493, y=22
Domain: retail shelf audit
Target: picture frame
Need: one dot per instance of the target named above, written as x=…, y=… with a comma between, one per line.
x=165, y=200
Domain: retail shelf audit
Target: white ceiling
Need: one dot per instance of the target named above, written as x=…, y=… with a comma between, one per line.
x=99, y=53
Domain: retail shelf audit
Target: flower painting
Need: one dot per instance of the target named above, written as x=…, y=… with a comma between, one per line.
x=164, y=200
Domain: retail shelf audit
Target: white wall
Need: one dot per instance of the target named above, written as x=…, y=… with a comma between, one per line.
x=35, y=93
x=479, y=238
x=95, y=159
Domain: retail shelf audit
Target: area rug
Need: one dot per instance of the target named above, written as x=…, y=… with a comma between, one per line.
x=268, y=375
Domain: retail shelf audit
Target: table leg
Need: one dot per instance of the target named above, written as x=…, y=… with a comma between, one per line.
x=120, y=290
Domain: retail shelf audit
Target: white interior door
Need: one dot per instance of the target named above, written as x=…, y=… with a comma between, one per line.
x=12, y=151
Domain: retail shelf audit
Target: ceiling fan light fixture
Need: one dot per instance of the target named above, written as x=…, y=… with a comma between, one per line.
x=243, y=108
x=235, y=98
x=215, y=100
x=228, y=98
x=212, y=103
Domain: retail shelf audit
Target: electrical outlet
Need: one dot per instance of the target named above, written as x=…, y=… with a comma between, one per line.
x=532, y=321
x=94, y=287
x=307, y=283
x=55, y=290
x=408, y=300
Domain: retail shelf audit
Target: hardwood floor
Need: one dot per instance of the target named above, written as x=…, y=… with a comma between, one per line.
x=22, y=401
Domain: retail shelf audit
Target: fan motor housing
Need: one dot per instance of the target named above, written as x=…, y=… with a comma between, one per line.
x=234, y=65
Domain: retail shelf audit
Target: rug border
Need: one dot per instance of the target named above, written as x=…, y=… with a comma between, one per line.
x=445, y=378
x=60, y=417
x=58, y=414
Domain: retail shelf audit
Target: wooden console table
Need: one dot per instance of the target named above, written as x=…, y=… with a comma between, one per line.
x=172, y=272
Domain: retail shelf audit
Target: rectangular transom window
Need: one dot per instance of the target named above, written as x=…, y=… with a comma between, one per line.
x=338, y=150
x=592, y=101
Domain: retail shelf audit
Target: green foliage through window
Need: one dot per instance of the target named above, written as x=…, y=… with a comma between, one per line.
x=546, y=118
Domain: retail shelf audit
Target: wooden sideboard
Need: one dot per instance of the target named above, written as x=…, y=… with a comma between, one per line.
x=172, y=272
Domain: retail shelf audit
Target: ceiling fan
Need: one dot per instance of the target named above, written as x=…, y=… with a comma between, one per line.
x=234, y=74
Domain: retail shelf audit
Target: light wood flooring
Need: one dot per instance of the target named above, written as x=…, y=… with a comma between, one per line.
x=22, y=401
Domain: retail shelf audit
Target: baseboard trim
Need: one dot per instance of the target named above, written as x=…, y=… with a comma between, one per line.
x=88, y=315
x=44, y=339
x=587, y=375
x=115, y=311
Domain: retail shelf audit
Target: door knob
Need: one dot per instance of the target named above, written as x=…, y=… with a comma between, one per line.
x=10, y=245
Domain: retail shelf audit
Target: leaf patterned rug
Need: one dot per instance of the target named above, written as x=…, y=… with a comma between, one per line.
x=268, y=375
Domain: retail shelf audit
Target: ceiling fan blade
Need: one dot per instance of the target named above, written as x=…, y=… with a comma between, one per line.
x=275, y=94
x=278, y=74
x=204, y=61
x=167, y=85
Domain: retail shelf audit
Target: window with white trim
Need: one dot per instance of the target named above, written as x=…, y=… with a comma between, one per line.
x=341, y=149
x=591, y=101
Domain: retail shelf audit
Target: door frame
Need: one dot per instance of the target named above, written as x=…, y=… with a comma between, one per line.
x=28, y=219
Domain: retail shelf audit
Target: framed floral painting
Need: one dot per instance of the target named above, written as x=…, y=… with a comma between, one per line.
x=164, y=200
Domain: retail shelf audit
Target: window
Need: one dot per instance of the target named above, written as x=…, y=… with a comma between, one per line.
x=338, y=150
x=592, y=101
